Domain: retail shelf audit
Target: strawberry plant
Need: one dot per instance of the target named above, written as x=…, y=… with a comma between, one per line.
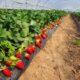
x=23, y=30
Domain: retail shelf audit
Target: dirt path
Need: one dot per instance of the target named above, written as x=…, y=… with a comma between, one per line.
x=60, y=59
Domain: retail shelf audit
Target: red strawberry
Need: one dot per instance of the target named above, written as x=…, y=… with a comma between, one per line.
x=27, y=56
x=8, y=63
x=20, y=65
x=29, y=50
x=18, y=55
x=59, y=22
x=45, y=35
x=44, y=30
x=39, y=45
x=7, y=72
x=39, y=39
x=52, y=25
x=33, y=48
x=47, y=26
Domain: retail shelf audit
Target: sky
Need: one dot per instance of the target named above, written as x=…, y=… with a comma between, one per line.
x=71, y=5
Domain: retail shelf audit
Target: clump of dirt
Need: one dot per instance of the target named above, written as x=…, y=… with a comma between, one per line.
x=60, y=58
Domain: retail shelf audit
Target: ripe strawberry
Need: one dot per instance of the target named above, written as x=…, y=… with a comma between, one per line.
x=18, y=55
x=29, y=50
x=27, y=56
x=39, y=45
x=47, y=26
x=8, y=63
x=33, y=48
x=52, y=25
x=59, y=22
x=44, y=30
x=45, y=35
x=20, y=65
x=7, y=72
x=39, y=39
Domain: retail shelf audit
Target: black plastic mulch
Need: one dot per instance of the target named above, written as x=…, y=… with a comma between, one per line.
x=17, y=73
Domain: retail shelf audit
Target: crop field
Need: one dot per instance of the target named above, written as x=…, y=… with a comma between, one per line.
x=23, y=30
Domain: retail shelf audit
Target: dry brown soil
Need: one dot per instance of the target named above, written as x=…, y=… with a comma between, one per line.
x=60, y=59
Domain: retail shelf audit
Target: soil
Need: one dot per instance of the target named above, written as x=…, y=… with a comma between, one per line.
x=60, y=58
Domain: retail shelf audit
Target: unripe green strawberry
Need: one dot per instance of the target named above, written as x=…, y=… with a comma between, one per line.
x=13, y=58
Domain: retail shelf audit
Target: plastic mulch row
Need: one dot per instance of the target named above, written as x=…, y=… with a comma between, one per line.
x=16, y=72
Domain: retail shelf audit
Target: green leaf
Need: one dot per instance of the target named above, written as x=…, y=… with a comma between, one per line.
x=1, y=56
x=33, y=23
